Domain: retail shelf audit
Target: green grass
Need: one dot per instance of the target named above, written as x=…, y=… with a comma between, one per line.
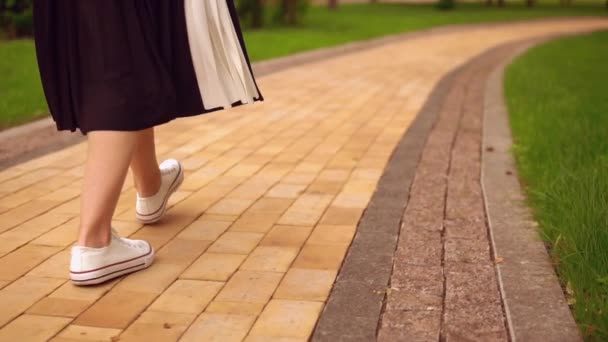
x=558, y=101
x=21, y=98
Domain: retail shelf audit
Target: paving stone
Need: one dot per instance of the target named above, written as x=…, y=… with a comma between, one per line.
x=230, y=206
x=475, y=323
x=214, y=266
x=219, y=327
x=250, y=286
x=270, y=258
x=236, y=308
x=286, y=191
x=57, y=266
x=82, y=333
x=283, y=318
x=255, y=222
x=33, y=328
x=61, y=236
x=236, y=243
x=323, y=257
x=410, y=326
x=117, y=309
x=153, y=280
x=471, y=285
x=158, y=326
x=467, y=251
x=327, y=235
x=21, y=261
x=21, y=294
x=306, y=210
x=59, y=307
x=207, y=230
x=341, y=216
x=425, y=251
x=306, y=285
x=187, y=296
x=181, y=251
x=286, y=236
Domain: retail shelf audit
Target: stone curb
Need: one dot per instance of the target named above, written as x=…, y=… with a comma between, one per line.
x=14, y=153
x=533, y=299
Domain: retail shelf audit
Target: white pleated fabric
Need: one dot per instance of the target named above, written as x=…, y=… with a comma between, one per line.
x=221, y=69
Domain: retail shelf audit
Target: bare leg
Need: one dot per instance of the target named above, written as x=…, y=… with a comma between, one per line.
x=109, y=155
x=146, y=175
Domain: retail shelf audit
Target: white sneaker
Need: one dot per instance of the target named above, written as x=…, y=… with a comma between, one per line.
x=152, y=209
x=90, y=266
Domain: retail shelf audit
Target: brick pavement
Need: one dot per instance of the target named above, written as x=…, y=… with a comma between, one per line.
x=273, y=194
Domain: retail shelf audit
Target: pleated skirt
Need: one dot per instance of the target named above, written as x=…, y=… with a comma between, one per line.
x=128, y=65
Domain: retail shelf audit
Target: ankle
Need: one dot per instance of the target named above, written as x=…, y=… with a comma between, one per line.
x=98, y=238
x=149, y=186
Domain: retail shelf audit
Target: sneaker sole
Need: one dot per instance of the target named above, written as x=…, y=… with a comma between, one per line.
x=110, y=272
x=158, y=215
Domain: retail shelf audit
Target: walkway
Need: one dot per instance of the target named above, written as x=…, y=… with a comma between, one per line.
x=271, y=202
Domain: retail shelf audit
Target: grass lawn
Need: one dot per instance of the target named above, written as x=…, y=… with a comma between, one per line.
x=21, y=98
x=558, y=102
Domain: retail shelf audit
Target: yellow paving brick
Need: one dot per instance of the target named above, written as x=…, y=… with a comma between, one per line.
x=222, y=218
x=235, y=308
x=69, y=207
x=236, y=243
x=83, y=293
x=82, y=333
x=230, y=206
x=323, y=257
x=158, y=326
x=23, y=213
x=219, y=327
x=299, y=178
x=348, y=200
x=61, y=236
x=153, y=280
x=250, y=286
x=26, y=179
x=325, y=187
x=341, y=216
x=15, y=199
x=335, y=175
x=286, y=236
x=327, y=235
x=212, y=266
x=270, y=206
x=21, y=294
x=255, y=222
x=187, y=296
x=33, y=328
x=21, y=261
x=286, y=191
x=306, y=284
x=270, y=258
x=56, y=266
x=3, y=283
x=117, y=309
x=25, y=232
x=207, y=230
x=283, y=318
x=272, y=339
x=126, y=228
x=181, y=251
x=59, y=307
x=306, y=210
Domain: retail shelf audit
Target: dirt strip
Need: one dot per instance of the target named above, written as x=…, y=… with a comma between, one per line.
x=427, y=273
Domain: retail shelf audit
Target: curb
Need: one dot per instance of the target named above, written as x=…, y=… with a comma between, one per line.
x=534, y=302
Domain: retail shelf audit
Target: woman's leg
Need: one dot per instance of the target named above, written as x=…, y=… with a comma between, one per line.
x=144, y=165
x=109, y=155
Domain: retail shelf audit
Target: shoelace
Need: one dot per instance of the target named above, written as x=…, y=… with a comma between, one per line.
x=126, y=242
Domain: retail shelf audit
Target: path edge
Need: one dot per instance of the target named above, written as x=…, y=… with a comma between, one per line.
x=534, y=302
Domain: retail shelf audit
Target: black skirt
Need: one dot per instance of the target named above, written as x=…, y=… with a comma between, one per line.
x=128, y=65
